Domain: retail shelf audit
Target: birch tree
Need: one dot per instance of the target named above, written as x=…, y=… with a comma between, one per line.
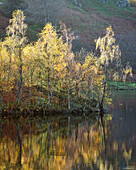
x=68, y=37
x=109, y=54
x=16, y=41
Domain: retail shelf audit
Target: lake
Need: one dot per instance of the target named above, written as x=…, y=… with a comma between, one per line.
x=92, y=142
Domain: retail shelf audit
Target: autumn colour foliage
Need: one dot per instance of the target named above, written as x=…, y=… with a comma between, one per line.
x=44, y=74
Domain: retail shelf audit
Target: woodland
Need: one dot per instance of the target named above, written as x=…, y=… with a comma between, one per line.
x=46, y=75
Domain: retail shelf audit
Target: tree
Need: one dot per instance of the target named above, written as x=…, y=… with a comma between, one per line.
x=109, y=56
x=68, y=38
x=91, y=76
x=50, y=53
x=16, y=41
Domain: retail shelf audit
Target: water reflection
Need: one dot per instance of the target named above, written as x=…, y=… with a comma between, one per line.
x=93, y=143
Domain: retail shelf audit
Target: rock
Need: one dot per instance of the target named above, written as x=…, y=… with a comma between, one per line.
x=80, y=5
x=77, y=4
x=123, y=3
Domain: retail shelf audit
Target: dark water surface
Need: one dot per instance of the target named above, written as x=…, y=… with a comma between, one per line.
x=81, y=143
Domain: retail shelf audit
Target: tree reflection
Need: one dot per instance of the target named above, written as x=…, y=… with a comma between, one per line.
x=60, y=143
x=19, y=143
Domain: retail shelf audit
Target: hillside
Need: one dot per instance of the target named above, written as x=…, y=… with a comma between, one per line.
x=88, y=19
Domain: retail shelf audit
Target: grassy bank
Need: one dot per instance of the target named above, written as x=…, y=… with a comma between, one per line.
x=122, y=85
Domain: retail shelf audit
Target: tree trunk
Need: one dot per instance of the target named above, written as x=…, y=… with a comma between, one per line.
x=42, y=94
x=1, y=101
x=49, y=101
x=21, y=76
x=100, y=103
x=20, y=144
x=68, y=96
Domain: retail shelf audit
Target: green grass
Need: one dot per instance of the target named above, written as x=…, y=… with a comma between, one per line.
x=122, y=85
x=109, y=8
x=102, y=11
x=2, y=4
x=2, y=35
x=2, y=1
x=33, y=31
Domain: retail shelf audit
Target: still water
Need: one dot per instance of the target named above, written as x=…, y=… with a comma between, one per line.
x=81, y=143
